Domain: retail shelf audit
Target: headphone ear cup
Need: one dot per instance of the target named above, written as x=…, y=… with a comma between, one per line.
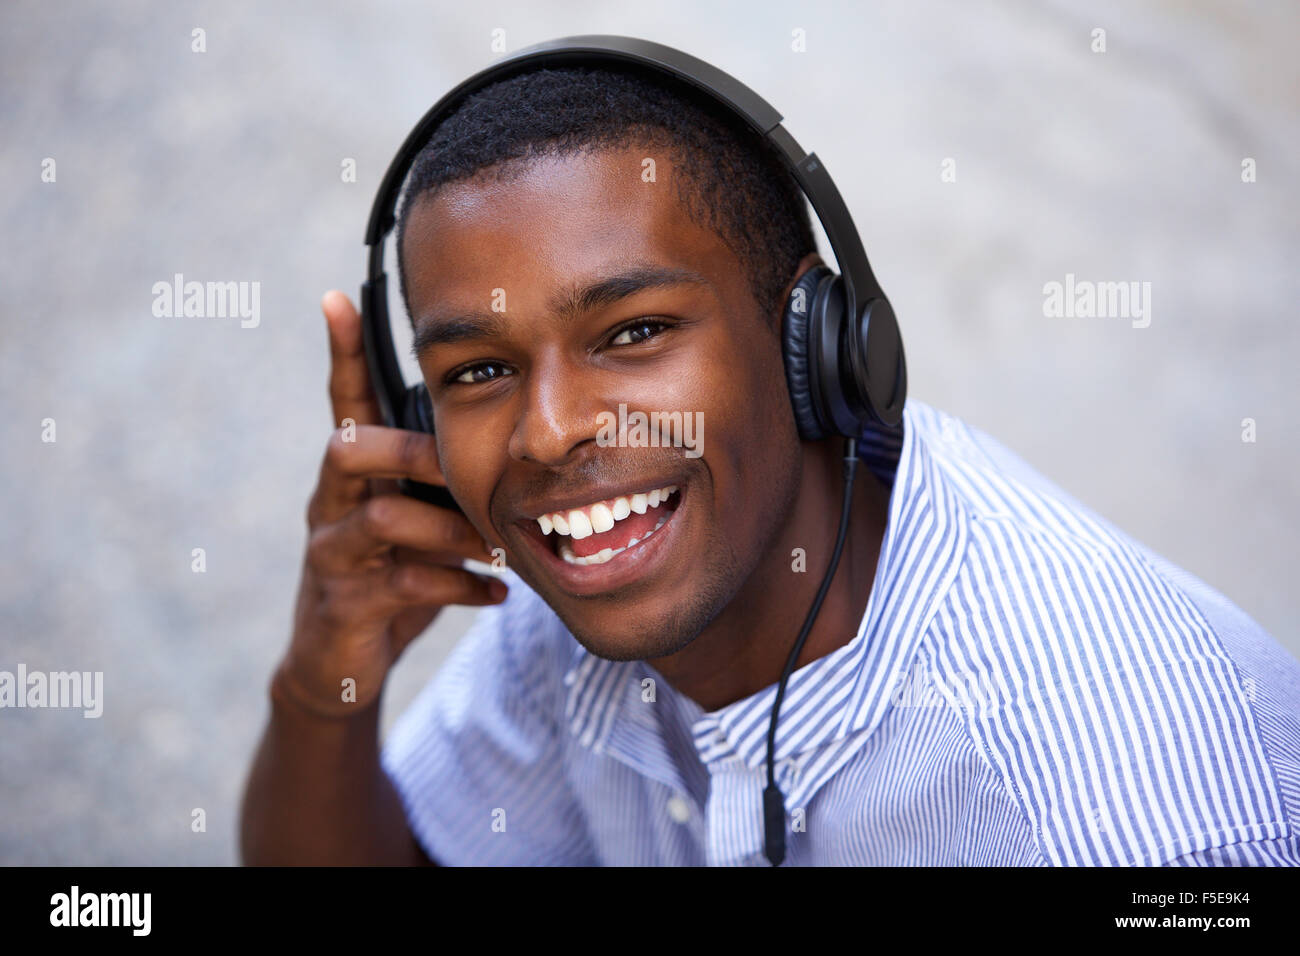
x=799, y=352
x=417, y=416
x=417, y=410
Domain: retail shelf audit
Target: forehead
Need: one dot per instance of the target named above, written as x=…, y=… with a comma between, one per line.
x=552, y=219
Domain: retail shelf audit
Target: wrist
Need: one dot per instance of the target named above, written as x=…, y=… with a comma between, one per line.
x=288, y=695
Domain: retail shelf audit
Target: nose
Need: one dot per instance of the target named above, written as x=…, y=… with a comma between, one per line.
x=558, y=413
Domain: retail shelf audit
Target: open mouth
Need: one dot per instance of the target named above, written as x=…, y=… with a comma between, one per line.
x=608, y=543
x=601, y=532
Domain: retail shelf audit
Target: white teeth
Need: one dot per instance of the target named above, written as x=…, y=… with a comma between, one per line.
x=602, y=519
x=579, y=525
x=606, y=554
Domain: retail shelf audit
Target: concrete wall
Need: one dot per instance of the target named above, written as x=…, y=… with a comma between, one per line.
x=175, y=434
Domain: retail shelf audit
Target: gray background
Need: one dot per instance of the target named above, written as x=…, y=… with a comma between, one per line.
x=183, y=433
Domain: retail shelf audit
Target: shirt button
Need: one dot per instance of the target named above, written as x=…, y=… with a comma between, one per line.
x=678, y=809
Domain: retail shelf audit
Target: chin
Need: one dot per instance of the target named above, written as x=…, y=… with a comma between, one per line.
x=624, y=633
x=614, y=637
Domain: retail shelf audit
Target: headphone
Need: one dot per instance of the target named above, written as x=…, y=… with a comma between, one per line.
x=843, y=355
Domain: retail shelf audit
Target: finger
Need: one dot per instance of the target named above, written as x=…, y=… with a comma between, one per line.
x=430, y=556
x=384, y=486
x=424, y=585
x=351, y=391
x=354, y=456
x=381, y=593
x=391, y=521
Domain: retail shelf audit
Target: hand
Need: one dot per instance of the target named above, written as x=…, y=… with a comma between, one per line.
x=379, y=565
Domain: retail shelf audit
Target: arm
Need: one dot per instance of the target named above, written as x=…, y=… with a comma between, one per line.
x=379, y=567
x=318, y=795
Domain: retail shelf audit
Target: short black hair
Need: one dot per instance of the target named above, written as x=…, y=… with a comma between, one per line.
x=733, y=181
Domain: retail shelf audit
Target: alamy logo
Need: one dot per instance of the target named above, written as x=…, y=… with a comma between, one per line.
x=55, y=689
x=102, y=909
x=208, y=300
x=1101, y=300
x=965, y=690
x=652, y=430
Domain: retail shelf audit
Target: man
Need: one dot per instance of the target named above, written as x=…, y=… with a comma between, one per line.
x=997, y=676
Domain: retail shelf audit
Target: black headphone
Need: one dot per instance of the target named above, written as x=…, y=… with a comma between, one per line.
x=844, y=361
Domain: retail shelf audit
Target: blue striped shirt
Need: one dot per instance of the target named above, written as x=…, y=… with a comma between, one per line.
x=1028, y=687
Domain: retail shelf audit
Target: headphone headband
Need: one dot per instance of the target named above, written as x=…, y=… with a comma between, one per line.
x=886, y=387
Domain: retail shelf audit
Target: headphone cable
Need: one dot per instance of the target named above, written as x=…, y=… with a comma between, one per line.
x=773, y=799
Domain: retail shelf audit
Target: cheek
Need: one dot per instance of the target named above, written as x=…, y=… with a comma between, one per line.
x=751, y=446
x=736, y=384
x=763, y=452
x=749, y=398
x=466, y=458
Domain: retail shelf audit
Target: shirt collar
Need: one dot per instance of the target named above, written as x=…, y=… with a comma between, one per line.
x=839, y=697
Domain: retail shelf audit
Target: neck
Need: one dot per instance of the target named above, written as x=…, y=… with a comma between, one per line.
x=744, y=649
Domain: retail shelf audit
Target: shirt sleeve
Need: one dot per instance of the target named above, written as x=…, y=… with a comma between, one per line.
x=476, y=758
x=1281, y=852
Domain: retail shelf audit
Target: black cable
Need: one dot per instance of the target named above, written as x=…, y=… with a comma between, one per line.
x=773, y=799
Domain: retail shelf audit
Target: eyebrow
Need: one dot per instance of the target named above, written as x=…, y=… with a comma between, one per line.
x=568, y=306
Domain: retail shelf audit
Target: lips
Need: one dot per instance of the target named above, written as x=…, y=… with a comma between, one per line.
x=608, y=572
x=611, y=536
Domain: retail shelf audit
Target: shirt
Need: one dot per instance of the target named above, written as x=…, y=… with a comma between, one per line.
x=1028, y=686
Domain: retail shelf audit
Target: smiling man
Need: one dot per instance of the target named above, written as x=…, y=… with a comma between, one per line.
x=996, y=677
x=614, y=295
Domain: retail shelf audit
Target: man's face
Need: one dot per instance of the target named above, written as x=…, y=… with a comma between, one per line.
x=527, y=394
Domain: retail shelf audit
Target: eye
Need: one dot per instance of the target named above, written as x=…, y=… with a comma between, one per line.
x=631, y=334
x=466, y=376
